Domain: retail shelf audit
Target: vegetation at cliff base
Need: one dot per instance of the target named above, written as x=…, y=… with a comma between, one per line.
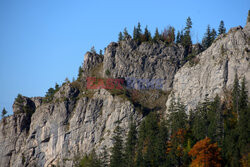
x=216, y=133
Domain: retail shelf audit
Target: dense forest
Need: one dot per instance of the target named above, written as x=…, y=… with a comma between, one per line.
x=215, y=133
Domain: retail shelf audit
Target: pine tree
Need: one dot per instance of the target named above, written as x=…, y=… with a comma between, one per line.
x=135, y=35
x=156, y=36
x=207, y=39
x=120, y=38
x=104, y=159
x=125, y=33
x=236, y=94
x=147, y=35
x=4, y=112
x=213, y=35
x=130, y=145
x=186, y=40
x=178, y=116
x=243, y=97
x=178, y=37
x=222, y=29
x=139, y=31
x=161, y=146
x=117, y=155
x=100, y=53
x=244, y=115
x=91, y=160
x=80, y=71
x=201, y=122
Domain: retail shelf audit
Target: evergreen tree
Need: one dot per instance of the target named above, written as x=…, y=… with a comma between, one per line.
x=244, y=115
x=100, y=53
x=156, y=36
x=215, y=121
x=90, y=160
x=125, y=33
x=139, y=31
x=130, y=145
x=186, y=40
x=178, y=37
x=4, y=112
x=57, y=87
x=120, y=38
x=188, y=24
x=147, y=35
x=243, y=97
x=222, y=29
x=168, y=35
x=135, y=35
x=117, y=155
x=104, y=159
x=213, y=35
x=161, y=146
x=80, y=71
x=178, y=117
x=201, y=122
x=236, y=94
x=207, y=39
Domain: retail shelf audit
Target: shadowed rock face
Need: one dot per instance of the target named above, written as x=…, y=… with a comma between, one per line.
x=145, y=61
x=75, y=121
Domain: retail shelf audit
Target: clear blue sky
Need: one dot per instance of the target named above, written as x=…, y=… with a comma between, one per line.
x=43, y=41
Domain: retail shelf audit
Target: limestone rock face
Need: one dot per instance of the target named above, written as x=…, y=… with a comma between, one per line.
x=78, y=120
x=214, y=70
x=64, y=129
x=148, y=61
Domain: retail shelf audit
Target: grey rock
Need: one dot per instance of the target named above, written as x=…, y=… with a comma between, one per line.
x=215, y=71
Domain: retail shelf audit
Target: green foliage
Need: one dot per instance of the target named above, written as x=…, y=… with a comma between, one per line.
x=130, y=145
x=156, y=36
x=107, y=72
x=4, y=112
x=222, y=29
x=80, y=71
x=19, y=99
x=120, y=37
x=117, y=154
x=224, y=122
x=90, y=160
x=50, y=93
x=146, y=36
x=100, y=52
x=186, y=39
x=248, y=18
x=168, y=35
x=137, y=33
x=177, y=117
x=235, y=94
x=209, y=37
x=104, y=157
x=125, y=33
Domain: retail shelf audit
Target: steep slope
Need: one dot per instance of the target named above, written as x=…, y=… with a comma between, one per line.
x=212, y=71
x=77, y=120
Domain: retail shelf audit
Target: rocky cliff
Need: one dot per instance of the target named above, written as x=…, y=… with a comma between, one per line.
x=213, y=71
x=77, y=120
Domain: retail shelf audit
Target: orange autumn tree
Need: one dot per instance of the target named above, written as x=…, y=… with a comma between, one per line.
x=205, y=154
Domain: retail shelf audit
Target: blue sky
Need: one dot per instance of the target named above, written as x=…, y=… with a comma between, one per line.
x=43, y=41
